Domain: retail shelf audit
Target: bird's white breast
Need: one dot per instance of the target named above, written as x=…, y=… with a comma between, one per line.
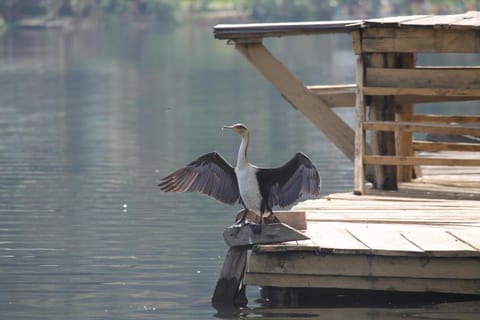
x=248, y=187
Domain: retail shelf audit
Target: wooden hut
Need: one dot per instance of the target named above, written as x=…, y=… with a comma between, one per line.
x=425, y=235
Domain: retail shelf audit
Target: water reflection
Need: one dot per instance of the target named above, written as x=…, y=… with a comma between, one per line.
x=88, y=122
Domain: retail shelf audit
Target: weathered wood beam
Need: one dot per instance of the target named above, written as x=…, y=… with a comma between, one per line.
x=460, y=286
x=450, y=78
x=419, y=117
x=406, y=99
x=360, y=140
x=270, y=233
x=282, y=29
x=421, y=127
x=342, y=95
x=314, y=108
x=445, y=146
x=363, y=265
x=439, y=92
x=416, y=161
x=420, y=40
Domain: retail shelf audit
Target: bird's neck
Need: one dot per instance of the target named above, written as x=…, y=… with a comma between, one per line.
x=242, y=152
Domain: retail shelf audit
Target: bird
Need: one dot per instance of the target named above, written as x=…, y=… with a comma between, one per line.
x=257, y=189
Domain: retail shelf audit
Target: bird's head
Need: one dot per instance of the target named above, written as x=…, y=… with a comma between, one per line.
x=239, y=128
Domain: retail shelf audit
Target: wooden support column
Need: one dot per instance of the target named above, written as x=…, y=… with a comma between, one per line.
x=360, y=141
x=295, y=92
x=405, y=113
x=382, y=108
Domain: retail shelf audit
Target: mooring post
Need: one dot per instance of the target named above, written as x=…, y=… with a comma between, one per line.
x=230, y=289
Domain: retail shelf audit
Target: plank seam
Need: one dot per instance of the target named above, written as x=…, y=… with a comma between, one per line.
x=461, y=240
x=356, y=238
x=416, y=245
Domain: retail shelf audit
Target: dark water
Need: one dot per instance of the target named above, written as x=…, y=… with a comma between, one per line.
x=90, y=120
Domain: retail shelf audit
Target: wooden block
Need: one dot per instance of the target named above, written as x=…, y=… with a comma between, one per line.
x=294, y=219
x=250, y=234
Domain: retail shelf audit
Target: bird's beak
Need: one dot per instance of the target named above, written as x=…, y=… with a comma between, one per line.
x=227, y=127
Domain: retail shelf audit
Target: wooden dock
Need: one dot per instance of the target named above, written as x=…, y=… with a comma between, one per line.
x=409, y=240
x=418, y=229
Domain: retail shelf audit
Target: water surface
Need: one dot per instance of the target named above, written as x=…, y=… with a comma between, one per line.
x=90, y=120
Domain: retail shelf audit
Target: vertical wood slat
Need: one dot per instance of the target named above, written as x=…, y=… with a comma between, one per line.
x=360, y=141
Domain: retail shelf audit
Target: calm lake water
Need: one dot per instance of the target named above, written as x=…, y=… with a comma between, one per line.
x=90, y=120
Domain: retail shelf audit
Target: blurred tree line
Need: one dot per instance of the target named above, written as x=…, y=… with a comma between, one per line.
x=13, y=11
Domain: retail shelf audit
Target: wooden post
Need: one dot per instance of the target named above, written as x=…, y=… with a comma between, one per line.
x=230, y=289
x=360, y=141
x=382, y=109
x=405, y=113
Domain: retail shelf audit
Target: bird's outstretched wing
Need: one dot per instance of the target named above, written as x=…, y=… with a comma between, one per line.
x=286, y=184
x=210, y=174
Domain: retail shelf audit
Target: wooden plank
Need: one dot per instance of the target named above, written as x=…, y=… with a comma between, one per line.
x=262, y=30
x=450, y=78
x=250, y=234
x=439, y=92
x=308, y=263
x=335, y=238
x=344, y=96
x=415, y=99
x=473, y=21
x=418, y=117
x=438, y=21
x=470, y=236
x=392, y=21
x=459, y=286
x=386, y=241
x=335, y=95
x=416, y=161
x=376, y=39
x=315, y=109
x=360, y=141
x=434, y=241
x=465, y=20
x=445, y=146
x=421, y=127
